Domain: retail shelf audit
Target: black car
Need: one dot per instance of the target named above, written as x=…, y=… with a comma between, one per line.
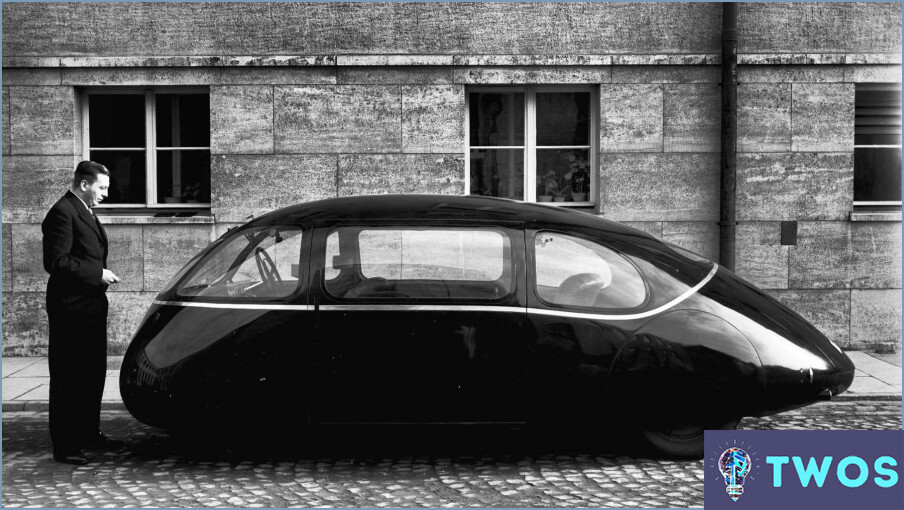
x=427, y=309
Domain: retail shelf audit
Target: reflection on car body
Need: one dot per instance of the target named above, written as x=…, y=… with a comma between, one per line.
x=443, y=309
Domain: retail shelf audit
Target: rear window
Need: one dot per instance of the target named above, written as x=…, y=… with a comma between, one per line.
x=418, y=263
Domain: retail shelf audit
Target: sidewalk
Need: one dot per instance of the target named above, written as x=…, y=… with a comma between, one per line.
x=26, y=382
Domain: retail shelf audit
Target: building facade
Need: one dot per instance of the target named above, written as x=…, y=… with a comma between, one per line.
x=210, y=113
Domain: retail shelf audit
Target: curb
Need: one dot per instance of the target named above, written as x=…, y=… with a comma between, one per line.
x=43, y=405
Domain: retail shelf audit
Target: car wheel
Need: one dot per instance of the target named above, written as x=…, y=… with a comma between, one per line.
x=684, y=441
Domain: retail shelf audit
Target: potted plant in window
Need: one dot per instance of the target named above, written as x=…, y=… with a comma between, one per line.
x=580, y=179
x=192, y=193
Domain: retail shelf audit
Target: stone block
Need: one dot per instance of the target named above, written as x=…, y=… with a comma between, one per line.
x=32, y=184
x=28, y=260
x=124, y=257
x=631, y=118
x=528, y=75
x=828, y=310
x=241, y=119
x=692, y=119
x=274, y=76
x=654, y=228
x=531, y=60
x=169, y=247
x=819, y=27
x=393, y=60
x=764, y=117
x=433, y=119
x=760, y=257
x=823, y=257
x=7, y=257
x=402, y=173
x=876, y=319
x=350, y=28
x=25, y=329
x=700, y=237
x=659, y=187
x=822, y=117
x=246, y=185
x=795, y=186
x=124, y=317
x=33, y=76
x=138, y=76
x=5, y=121
x=428, y=75
x=877, y=255
x=872, y=74
x=666, y=74
x=42, y=120
x=341, y=118
x=790, y=74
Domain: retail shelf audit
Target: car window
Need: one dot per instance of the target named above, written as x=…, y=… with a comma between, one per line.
x=418, y=263
x=254, y=263
x=574, y=272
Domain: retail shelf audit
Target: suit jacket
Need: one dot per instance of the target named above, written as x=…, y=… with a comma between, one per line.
x=75, y=255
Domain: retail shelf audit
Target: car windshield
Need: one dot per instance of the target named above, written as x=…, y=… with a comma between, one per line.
x=258, y=262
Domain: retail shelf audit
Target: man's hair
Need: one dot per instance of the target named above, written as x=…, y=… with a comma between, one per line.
x=88, y=171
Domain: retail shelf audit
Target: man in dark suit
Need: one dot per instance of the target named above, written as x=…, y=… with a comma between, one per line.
x=75, y=255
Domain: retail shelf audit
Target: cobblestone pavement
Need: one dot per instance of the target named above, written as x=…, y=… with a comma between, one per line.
x=372, y=468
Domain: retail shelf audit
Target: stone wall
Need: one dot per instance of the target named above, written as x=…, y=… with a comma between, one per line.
x=319, y=100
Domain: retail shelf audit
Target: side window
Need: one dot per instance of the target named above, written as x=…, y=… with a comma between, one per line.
x=254, y=263
x=418, y=263
x=571, y=271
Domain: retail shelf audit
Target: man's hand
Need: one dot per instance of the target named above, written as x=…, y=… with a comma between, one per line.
x=108, y=277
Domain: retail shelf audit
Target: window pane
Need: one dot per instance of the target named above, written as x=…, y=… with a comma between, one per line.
x=498, y=173
x=563, y=175
x=877, y=174
x=116, y=120
x=563, y=118
x=496, y=119
x=126, y=168
x=423, y=263
x=258, y=263
x=579, y=273
x=183, y=120
x=183, y=176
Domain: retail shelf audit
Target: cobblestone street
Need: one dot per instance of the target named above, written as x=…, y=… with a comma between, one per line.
x=372, y=469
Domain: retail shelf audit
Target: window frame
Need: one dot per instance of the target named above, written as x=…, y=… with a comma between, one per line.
x=150, y=139
x=530, y=138
x=866, y=205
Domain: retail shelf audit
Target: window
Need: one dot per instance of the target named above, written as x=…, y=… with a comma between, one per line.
x=533, y=144
x=574, y=272
x=877, y=146
x=156, y=144
x=418, y=263
x=254, y=263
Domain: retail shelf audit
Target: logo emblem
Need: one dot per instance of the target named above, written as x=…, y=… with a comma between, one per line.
x=734, y=464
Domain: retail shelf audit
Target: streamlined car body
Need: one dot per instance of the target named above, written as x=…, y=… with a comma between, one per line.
x=447, y=309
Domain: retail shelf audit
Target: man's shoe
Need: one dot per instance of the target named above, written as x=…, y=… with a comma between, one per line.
x=77, y=458
x=104, y=442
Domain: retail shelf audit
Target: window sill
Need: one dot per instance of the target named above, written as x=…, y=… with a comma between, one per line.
x=876, y=216
x=151, y=219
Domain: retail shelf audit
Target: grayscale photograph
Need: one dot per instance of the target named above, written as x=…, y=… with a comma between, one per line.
x=439, y=254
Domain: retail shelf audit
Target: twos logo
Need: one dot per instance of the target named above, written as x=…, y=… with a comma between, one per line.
x=824, y=469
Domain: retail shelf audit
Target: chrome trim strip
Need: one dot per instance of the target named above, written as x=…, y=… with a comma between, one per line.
x=642, y=315
x=237, y=306
x=450, y=308
x=422, y=308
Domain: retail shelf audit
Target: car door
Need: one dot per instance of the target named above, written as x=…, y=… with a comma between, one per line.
x=582, y=296
x=419, y=323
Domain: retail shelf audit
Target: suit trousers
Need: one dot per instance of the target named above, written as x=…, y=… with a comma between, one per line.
x=78, y=364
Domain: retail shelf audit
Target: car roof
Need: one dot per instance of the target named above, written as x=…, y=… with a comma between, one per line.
x=437, y=207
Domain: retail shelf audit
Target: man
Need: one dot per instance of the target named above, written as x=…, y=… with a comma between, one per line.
x=75, y=255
